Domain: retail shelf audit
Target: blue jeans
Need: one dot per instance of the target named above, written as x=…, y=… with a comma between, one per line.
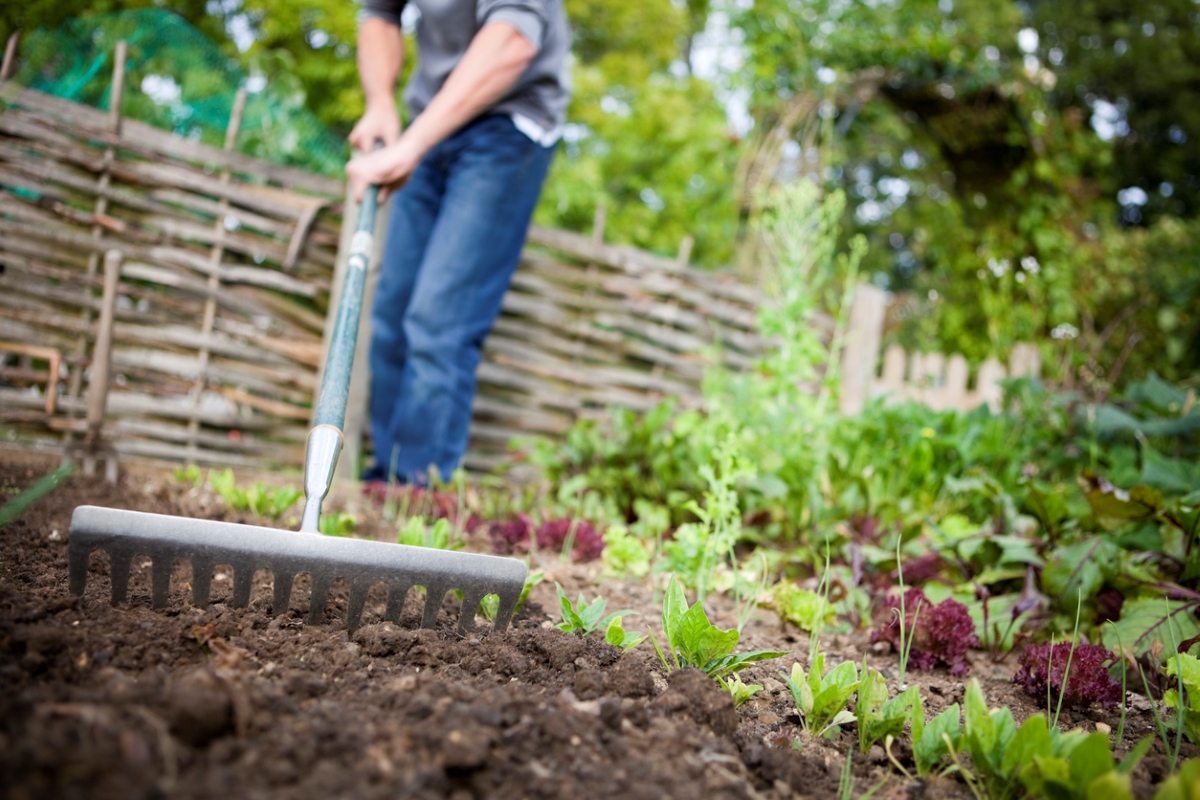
x=453, y=242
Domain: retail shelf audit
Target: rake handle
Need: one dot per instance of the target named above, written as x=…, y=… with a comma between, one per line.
x=335, y=382
x=325, y=440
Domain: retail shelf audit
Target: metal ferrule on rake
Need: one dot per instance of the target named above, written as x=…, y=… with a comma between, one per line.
x=248, y=548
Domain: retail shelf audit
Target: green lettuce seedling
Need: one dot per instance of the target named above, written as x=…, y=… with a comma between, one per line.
x=933, y=742
x=1183, y=785
x=1187, y=669
x=583, y=618
x=616, y=635
x=418, y=534
x=693, y=641
x=878, y=715
x=821, y=698
x=489, y=606
x=1038, y=759
x=741, y=692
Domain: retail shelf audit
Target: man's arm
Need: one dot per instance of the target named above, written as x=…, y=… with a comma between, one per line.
x=380, y=57
x=496, y=58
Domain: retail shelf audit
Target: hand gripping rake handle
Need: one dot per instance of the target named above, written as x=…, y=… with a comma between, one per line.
x=326, y=437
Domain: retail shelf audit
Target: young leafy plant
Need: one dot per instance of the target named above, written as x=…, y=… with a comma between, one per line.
x=693, y=641
x=1186, y=669
x=339, y=523
x=880, y=716
x=821, y=697
x=584, y=618
x=616, y=635
x=1044, y=667
x=489, y=606
x=741, y=692
x=417, y=533
x=933, y=742
x=807, y=610
x=1038, y=758
x=935, y=634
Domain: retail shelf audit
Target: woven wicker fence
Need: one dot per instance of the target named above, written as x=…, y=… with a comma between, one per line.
x=199, y=337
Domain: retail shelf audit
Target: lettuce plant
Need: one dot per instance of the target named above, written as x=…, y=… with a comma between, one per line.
x=936, y=635
x=616, y=635
x=821, y=697
x=879, y=715
x=933, y=742
x=740, y=692
x=1186, y=669
x=584, y=618
x=1183, y=785
x=1038, y=759
x=1044, y=666
x=693, y=641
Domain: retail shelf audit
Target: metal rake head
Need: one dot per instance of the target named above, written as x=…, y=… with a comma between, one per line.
x=248, y=548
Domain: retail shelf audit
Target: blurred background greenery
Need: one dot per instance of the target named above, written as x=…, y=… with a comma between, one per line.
x=1022, y=171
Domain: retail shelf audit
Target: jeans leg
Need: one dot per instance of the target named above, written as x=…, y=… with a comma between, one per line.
x=494, y=176
x=414, y=211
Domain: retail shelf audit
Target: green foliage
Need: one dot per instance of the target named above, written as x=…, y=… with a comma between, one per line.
x=418, y=532
x=806, y=610
x=616, y=635
x=821, y=696
x=338, y=523
x=189, y=474
x=880, y=716
x=933, y=742
x=489, y=606
x=741, y=692
x=1184, y=785
x=258, y=498
x=693, y=641
x=1039, y=758
x=624, y=554
x=1185, y=669
x=583, y=618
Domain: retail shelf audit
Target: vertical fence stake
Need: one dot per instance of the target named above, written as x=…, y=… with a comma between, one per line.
x=863, y=337
x=214, y=280
x=10, y=54
x=115, y=94
x=98, y=381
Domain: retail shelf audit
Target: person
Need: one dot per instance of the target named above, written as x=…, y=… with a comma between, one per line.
x=488, y=99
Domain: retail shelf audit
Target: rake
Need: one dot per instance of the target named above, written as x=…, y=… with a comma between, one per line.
x=248, y=548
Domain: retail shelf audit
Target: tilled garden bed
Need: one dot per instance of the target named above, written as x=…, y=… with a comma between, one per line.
x=97, y=701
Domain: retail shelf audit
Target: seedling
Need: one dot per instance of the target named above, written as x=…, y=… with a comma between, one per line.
x=1037, y=757
x=1186, y=698
x=338, y=523
x=932, y=742
x=263, y=500
x=741, y=692
x=878, y=715
x=418, y=533
x=821, y=698
x=693, y=641
x=490, y=604
x=584, y=618
x=616, y=635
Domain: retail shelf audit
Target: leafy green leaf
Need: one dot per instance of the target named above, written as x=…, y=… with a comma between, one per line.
x=929, y=746
x=1144, y=621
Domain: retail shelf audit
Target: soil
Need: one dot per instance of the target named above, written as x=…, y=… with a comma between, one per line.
x=99, y=701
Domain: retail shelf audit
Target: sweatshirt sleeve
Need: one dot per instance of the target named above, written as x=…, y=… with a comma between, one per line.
x=529, y=17
x=386, y=10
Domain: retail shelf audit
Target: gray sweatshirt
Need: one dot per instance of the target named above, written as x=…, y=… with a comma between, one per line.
x=446, y=29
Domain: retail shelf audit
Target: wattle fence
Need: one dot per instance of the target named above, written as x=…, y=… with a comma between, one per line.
x=163, y=299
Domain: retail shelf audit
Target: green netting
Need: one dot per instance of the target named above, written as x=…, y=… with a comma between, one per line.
x=177, y=79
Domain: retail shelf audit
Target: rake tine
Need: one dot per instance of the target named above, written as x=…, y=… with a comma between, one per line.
x=434, y=595
x=470, y=604
x=202, y=573
x=78, y=559
x=505, y=609
x=283, y=593
x=160, y=576
x=358, y=599
x=397, y=594
x=243, y=579
x=121, y=565
x=317, y=600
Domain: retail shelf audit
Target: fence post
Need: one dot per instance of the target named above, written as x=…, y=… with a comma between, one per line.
x=987, y=385
x=98, y=381
x=864, y=334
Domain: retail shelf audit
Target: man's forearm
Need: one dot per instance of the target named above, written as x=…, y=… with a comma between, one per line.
x=380, y=57
x=496, y=58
